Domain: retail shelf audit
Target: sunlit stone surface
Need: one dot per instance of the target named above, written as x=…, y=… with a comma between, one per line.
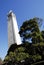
x=13, y=32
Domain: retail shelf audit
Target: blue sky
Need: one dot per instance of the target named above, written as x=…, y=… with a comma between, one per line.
x=24, y=10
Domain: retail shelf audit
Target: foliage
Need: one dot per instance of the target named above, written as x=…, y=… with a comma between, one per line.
x=30, y=31
x=20, y=49
x=22, y=56
x=36, y=57
x=17, y=55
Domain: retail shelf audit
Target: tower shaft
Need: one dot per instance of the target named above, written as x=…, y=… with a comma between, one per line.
x=13, y=32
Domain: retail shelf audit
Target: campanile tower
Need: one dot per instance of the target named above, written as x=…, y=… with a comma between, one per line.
x=13, y=32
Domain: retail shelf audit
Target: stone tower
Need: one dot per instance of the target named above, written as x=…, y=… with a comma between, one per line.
x=13, y=32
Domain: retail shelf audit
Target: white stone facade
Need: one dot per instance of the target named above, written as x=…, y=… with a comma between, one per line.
x=13, y=32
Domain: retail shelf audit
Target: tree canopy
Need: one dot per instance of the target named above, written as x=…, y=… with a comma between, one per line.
x=30, y=32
